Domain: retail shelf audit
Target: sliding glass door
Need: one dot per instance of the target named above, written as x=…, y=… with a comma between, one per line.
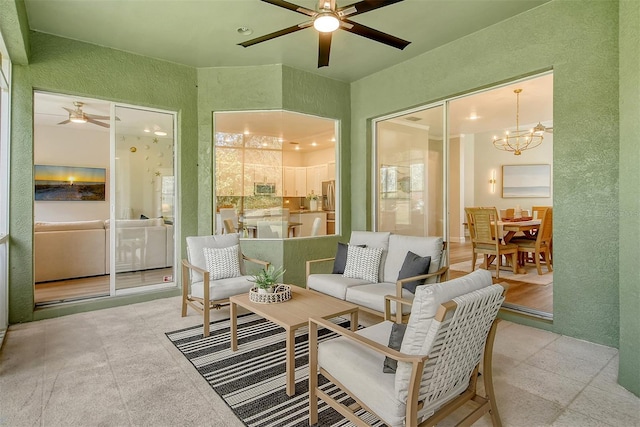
x=410, y=180
x=143, y=199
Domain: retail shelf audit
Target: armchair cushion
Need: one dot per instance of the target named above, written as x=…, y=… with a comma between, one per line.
x=414, y=265
x=363, y=263
x=417, y=340
x=223, y=288
x=333, y=284
x=196, y=245
x=358, y=368
x=371, y=295
x=222, y=263
x=395, y=341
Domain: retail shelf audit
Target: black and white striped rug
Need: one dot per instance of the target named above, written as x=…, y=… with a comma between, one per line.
x=252, y=380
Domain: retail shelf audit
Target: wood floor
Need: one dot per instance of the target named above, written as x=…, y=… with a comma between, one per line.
x=96, y=286
x=533, y=296
x=530, y=295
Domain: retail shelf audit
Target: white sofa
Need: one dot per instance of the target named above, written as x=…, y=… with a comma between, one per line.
x=370, y=296
x=66, y=250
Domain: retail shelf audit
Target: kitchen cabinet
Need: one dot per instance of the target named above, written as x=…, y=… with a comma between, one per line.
x=331, y=171
x=301, y=182
x=294, y=181
x=315, y=176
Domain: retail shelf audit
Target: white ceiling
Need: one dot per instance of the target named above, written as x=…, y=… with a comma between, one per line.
x=203, y=33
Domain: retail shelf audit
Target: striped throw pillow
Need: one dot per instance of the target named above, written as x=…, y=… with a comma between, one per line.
x=363, y=263
x=222, y=263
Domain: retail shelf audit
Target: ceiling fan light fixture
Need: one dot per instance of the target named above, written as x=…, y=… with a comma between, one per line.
x=160, y=133
x=78, y=119
x=326, y=22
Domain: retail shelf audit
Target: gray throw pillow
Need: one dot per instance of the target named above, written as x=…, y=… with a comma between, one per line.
x=395, y=341
x=341, y=258
x=414, y=265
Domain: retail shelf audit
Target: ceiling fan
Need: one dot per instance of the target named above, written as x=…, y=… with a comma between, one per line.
x=329, y=18
x=79, y=116
x=540, y=128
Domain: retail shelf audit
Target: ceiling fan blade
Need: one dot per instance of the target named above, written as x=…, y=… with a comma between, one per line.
x=95, y=122
x=291, y=6
x=274, y=35
x=364, y=6
x=64, y=122
x=324, y=48
x=93, y=116
x=376, y=35
x=69, y=110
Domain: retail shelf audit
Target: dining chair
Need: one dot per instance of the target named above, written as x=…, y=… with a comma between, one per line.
x=486, y=240
x=214, y=271
x=229, y=213
x=228, y=226
x=315, y=228
x=450, y=333
x=541, y=246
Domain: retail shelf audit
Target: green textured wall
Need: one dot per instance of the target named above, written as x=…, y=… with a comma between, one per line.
x=579, y=41
x=629, y=357
x=15, y=29
x=75, y=68
x=271, y=87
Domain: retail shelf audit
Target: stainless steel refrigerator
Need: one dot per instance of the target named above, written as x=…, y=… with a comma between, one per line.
x=329, y=195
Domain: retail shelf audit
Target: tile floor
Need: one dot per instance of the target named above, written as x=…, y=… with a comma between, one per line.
x=115, y=367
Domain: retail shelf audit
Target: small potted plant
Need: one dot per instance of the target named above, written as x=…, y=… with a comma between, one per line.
x=267, y=279
x=313, y=201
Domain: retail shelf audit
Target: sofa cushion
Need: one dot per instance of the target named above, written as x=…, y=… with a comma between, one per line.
x=414, y=265
x=222, y=263
x=371, y=295
x=374, y=239
x=223, y=288
x=423, y=246
x=359, y=370
x=70, y=225
x=341, y=258
x=334, y=285
x=363, y=263
x=196, y=245
x=425, y=305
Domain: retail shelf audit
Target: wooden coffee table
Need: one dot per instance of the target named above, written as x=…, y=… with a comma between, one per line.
x=291, y=315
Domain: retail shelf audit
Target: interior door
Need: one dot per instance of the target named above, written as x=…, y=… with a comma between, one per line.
x=143, y=200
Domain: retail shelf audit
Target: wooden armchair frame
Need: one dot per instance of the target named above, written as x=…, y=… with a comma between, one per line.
x=484, y=404
x=204, y=305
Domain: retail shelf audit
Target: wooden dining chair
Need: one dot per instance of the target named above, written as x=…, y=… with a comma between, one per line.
x=486, y=240
x=541, y=246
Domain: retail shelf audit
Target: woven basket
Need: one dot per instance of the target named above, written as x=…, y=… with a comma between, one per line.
x=281, y=293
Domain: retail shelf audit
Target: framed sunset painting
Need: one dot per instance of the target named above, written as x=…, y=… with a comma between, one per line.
x=69, y=183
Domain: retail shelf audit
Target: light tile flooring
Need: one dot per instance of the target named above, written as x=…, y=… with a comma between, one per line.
x=115, y=367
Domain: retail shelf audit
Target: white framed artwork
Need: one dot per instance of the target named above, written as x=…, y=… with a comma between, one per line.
x=526, y=181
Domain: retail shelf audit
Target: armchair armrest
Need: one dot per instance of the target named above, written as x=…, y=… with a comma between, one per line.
x=256, y=261
x=315, y=261
x=387, y=307
x=383, y=349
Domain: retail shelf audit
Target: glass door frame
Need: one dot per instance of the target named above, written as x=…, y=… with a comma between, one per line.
x=112, y=204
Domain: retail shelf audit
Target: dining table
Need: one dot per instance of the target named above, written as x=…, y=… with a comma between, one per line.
x=510, y=227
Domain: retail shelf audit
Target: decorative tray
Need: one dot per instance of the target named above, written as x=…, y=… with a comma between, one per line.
x=281, y=293
x=524, y=218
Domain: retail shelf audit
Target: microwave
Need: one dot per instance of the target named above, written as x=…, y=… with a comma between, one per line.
x=264, y=189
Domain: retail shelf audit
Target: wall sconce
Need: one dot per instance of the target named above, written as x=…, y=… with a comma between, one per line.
x=492, y=181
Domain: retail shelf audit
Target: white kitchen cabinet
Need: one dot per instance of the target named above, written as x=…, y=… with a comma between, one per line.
x=301, y=182
x=315, y=176
x=289, y=184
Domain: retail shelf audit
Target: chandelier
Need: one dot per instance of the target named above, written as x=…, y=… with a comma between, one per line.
x=519, y=140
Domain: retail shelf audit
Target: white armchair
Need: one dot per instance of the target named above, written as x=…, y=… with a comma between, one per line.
x=450, y=330
x=218, y=261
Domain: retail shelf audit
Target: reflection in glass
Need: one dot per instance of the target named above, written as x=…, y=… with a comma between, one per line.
x=144, y=199
x=410, y=175
x=271, y=169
